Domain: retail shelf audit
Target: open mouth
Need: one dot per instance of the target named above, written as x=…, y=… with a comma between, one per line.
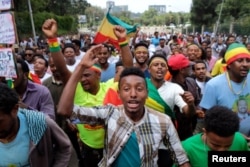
x=133, y=104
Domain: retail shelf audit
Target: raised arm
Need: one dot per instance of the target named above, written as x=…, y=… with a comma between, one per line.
x=126, y=54
x=66, y=102
x=49, y=29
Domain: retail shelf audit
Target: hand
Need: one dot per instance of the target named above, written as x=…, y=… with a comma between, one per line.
x=186, y=164
x=49, y=28
x=72, y=127
x=120, y=32
x=200, y=114
x=188, y=97
x=89, y=59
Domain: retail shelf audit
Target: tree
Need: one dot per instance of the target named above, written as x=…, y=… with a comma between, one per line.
x=94, y=15
x=203, y=12
x=235, y=10
x=148, y=16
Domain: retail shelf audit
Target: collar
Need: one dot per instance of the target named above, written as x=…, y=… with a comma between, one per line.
x=56, y=82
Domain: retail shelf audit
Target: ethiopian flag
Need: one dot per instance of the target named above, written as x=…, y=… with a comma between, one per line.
x=105, y=31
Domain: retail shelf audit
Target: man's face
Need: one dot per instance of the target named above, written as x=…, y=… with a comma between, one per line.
x=89, y=80
x=53, y=68
x=158, y=70
x=103, y=56
x=200, y=71
x=230, y=40
x=162, y=42
x=7, y=123
x=218, y=143
x=69, y=55
x=141, y=55
x=133, y=93
x=204, y=45
x=192, y=52
x=240, y=68
x=209, y=52
x=29, y=55
x=242, y=106
x=39, y=66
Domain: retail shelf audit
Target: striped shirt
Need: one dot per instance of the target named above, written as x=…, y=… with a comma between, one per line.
x=152, y=130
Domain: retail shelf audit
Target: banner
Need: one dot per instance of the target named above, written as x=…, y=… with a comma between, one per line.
x=5, y=4
x=7, y=28
x=7, y=63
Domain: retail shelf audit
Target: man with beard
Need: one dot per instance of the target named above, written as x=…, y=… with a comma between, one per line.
x=89, y=91
x=132, y=131
x=29, y=138
x=141, y=56
x=199, y=71
x=227, y=88
x=107, y=69
x=163, y=96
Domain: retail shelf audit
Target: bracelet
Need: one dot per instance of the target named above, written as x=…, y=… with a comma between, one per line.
x=123, y=42
x=54, y=45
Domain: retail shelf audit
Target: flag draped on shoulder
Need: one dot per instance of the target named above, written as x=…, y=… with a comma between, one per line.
x=105, y=32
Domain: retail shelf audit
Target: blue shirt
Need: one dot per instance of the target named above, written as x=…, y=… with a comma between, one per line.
x=108, y=73
x=130, y=155
x=218, y=92
x=16, y=153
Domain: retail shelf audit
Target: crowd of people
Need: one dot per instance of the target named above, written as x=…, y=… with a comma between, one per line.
x=160, y=101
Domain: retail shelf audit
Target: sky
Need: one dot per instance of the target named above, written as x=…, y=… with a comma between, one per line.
x=142, y=5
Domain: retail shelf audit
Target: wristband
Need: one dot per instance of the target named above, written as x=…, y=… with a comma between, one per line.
x=123, y=42
x=54, y=45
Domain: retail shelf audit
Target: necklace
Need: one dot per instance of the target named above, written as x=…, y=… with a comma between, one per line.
x=231, y=88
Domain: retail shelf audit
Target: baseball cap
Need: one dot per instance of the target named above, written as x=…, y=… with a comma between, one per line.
x=178, y=61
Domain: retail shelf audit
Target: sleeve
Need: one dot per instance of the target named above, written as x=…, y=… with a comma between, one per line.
x=46, y=104
x=216, y=68
x=209, y=96
x=92, y=115
x=175, y=145
x=62, y=149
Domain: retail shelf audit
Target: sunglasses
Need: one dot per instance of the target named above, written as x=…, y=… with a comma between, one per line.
x=28, y=54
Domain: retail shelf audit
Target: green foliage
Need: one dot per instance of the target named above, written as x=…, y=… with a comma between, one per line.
x=203, y=12
x=66, y=24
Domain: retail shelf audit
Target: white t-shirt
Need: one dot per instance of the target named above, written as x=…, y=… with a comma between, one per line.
x=201, y=85
x=171, y=94
x=80, y=56
x=72, y=67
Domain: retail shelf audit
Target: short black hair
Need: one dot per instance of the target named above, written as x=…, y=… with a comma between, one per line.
x=197, y=62
x=160, y=55
x=77, y=42
x=68, y=45
x=141, y=44
x=24, y=66
x=131, y=71
x=8, y=98
x=221, y=121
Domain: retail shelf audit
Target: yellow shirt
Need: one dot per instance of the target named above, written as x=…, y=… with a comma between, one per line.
x=93, y=136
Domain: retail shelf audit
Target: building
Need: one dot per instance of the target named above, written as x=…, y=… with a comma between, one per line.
x=109, y=4
x=158, y=8
x=120, y=8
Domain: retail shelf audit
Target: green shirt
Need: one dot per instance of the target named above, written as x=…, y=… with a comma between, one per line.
x=197, y=150
x=91, y=135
